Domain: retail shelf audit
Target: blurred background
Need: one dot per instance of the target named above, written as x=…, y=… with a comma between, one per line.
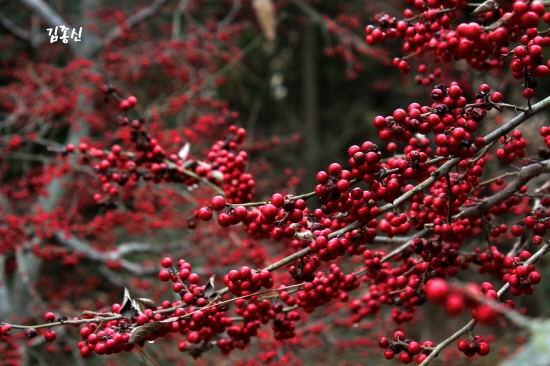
x=296, y=74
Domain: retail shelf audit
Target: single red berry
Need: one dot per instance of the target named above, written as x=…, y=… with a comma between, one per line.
x=535, y=277
x=50, y=336
x=217, y=203
x=530, y=222
x=437, y=290
x=496, y=97
x=166, y=262
x=484, y=349
x=398, y=335
x=528, y=93
x=414, y=348
x=205, y=214
x=49, y=317
x=517, y=230
x=164, y=275
x=521, y=271
x=405, y=357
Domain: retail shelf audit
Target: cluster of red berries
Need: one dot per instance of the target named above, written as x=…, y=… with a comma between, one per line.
x=405, y=348
x=527, y=61
x=246, y=281
x=521, y=278
x=322, y=289
x=545, y=132
x=448, y=118
x=474, y=345
x=539, y=226
x=513, y=146
x=430, y=33
x=151, y=162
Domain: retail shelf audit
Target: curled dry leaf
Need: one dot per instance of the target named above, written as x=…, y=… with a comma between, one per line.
x=147, y=303
x=184, y=152
x=216, y=174
x=142, y=332
x=491, y=5
x=265, y=12
x=209, y=290
x=130, y=308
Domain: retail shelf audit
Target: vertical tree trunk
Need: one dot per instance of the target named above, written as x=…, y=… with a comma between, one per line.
x=310, y=97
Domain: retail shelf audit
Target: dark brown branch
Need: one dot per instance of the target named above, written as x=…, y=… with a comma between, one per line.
x=14, y=28
x=525, y=175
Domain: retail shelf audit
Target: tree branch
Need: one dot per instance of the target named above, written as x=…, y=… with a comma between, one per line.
x=95, y=255
x=525, y=175
x=14, y=28
x=47, y=14
x=538, y=255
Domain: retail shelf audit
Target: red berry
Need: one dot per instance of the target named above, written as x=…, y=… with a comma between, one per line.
x=217, y=203
x=398, y=335
x=166, y=262
x=388, y=354
x=414, y=348
x=437, y=290
x=496, y=97
x=50, y=336
x=535, y=277
x=516, y=230
x=205, y=214
x=49, y=317
x=530, y=222
x=164, y=275
x=405, y=357
x=485, y=314
x=484, y=349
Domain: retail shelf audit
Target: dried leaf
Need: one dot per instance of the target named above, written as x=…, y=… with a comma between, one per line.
x=265, y=12
x=184, y=152
x=489, y=5
x=492, y=5
x=217, y=175
x=209, y=290
x=142, y=332
x=130, y=308
x=147, y=303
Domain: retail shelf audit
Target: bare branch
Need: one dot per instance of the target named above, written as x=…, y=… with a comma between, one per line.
x=176, y=18
x=14, y=28
x=525, y=175
x=47, y=14
x=95, y=255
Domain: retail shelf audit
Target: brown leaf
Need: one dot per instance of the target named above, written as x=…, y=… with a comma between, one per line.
x=142, y=332
x=130, y=308
x=492, y=5
x=209, y=290
x=147, y=303
x=265, y=12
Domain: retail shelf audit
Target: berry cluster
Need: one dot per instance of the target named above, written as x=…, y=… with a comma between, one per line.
x=405, y=348
x=473, y=345
x=520, y=277
x=246, y=281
